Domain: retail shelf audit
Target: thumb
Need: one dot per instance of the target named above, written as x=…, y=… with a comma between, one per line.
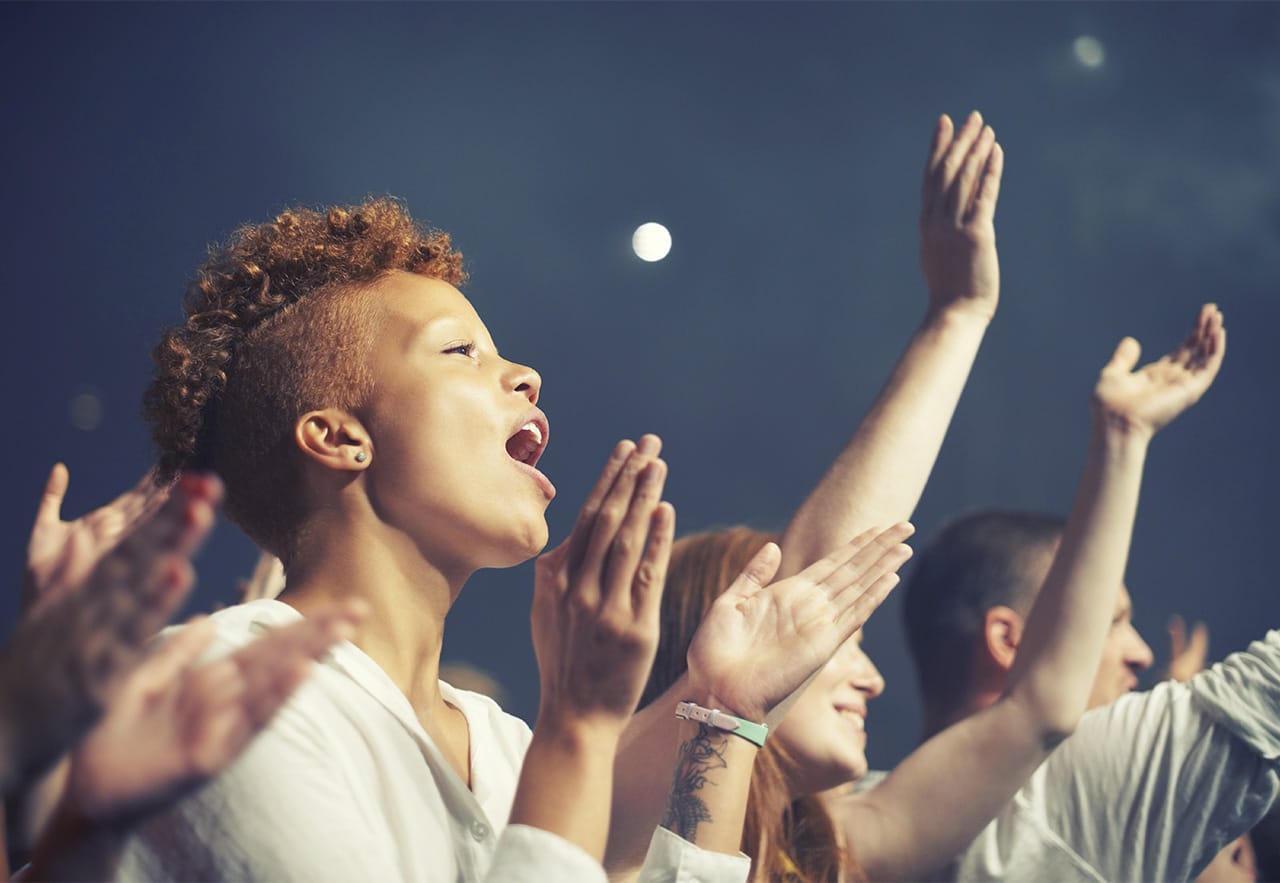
x=55, y=488
x=1125, y=357
x=758, y=573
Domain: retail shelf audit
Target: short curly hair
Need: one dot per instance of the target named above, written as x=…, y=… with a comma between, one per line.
x=279, y=322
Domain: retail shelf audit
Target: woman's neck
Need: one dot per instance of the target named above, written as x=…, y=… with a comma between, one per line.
x=408, y=600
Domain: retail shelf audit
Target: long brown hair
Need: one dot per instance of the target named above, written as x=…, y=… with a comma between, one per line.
x=786, y=840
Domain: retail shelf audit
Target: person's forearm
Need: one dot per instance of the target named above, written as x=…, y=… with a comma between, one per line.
x=647, y=754
x=566, y=782
x=879, y=476
x=707, y=802
x=1061, y=646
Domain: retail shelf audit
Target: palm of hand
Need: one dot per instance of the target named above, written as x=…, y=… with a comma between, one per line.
x=752, y=653
x=62, y=554
x=590, y=650
x=1149, y=398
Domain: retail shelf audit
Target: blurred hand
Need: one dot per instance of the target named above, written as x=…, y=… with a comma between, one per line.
x=597, y=595
x=957, y=218
x=66, y=657
x=761, y=642
x=61, y=554
x=1144, y=401
x=1186, y=657
x=267, y=580
x=173, y=725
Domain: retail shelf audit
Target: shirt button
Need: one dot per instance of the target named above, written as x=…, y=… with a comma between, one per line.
x=479, y=830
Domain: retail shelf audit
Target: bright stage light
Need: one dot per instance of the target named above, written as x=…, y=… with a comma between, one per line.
x=651, y=242
x=1089, y=51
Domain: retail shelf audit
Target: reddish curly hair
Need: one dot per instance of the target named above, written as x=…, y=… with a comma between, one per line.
x=280, y=321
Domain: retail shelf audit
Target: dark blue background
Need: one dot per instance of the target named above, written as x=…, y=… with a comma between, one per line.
x=782, y=145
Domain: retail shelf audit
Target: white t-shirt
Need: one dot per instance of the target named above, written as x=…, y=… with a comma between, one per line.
x=1150, y=787
x=346, y=785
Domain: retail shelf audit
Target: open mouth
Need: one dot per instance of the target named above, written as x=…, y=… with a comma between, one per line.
x=529, y=441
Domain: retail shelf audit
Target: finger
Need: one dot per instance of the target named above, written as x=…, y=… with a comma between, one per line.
x=758, y=573
x=176, y=654
x=163, y=601
x=853, y=580
x=821, y=569
x=581, y=532
x=857, y=614
x=144, y=497
x=855, y=562
x=609, y=518
x=984, y=203
x=1177, y=636
x=178, y=528
x=629, y=543
x=957, y=151
x=937, y=150
x=313, y=636
x=49, y=511
x=960, y=194
x=1198, y=647
x=652, y=574
x=1124, y=358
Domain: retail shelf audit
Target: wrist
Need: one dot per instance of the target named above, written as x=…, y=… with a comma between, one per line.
x=703, y=695
x=1119, y=433
x=578, y=734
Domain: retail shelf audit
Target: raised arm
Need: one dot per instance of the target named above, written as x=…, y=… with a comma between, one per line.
x=879, y=476
x=945, y=792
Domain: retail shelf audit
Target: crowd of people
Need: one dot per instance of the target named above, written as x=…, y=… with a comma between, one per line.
x=702, y=701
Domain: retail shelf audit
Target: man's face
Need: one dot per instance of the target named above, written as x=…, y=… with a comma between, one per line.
x=1123, y=655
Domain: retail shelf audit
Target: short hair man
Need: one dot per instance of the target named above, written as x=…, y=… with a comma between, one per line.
x=1152, y=785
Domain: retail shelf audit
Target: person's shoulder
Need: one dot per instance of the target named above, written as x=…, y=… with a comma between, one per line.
x=480, y=708
x=236, y=626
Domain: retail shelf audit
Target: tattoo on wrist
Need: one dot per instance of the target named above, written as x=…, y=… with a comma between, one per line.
x=698, y=757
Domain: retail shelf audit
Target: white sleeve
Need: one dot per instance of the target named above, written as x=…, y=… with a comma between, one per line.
x=672, y=859
x=1152, y=786
x=531, y=855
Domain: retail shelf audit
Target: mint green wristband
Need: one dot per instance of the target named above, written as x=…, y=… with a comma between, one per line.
x=714, y=717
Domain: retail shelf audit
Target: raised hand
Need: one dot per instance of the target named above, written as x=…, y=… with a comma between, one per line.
x=173, y=724
x=760, y=642
x=66, y=657
x=267, y=580
x=1186, y=656
x=61, y=554
x=957, y=218
x=597, y=595
x=1144, y=401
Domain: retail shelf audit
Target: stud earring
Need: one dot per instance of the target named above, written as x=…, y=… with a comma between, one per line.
x=361, y=456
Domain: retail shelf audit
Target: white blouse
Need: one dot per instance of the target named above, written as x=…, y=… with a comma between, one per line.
x=346, y=785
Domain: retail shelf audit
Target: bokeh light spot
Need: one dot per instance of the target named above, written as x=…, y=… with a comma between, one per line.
x=651, y=242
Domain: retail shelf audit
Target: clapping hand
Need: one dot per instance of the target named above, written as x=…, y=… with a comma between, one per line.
x=761, y=642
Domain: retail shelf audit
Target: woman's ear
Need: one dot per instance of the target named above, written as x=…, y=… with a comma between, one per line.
x=334, y=439
x=1002, y=632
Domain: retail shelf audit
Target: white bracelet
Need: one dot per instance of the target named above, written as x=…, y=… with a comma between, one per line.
x=714, y=717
